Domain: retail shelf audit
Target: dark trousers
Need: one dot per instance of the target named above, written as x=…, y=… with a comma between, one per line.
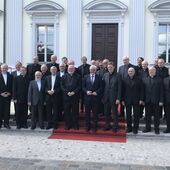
x=108, y=107
x=167, y=112
x=52, y=113
x=136, y=108
x=152, y=109
x=21, y=114
x=4, y=111
x=91, y=105
x=37, y=112
x=71, y=113
x=82, y=101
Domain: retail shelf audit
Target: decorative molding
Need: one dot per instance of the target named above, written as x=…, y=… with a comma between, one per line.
x=161, y=12
x=43, y=7
x=44, y=12
x=105, y=11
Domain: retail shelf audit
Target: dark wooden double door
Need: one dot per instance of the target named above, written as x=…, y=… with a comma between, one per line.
x=105, y=42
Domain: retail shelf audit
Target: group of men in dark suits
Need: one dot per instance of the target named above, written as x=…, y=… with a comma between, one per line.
x=51, y=90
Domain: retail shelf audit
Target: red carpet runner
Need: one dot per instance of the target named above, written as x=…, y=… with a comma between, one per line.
x=99, y=135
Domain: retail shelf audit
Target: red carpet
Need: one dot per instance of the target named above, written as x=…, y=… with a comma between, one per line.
x=99, y=135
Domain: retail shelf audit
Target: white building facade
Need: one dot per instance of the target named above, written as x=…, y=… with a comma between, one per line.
x=96, y=29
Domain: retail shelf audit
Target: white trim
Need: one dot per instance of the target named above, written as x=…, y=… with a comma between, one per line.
x=161, y=16
x=42, y=16
x=104, y=16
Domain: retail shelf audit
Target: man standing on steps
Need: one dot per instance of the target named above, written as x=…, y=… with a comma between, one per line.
x=112, y=96
x=71, y=85
x=36, y=99
x=52, y=89
x=20, y=96
x=92, y=87
x=132, y=98
x=154, y=96
x=6, y=81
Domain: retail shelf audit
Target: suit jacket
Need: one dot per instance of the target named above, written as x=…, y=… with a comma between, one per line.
x=7, y=87
x=20, y=89
x=166, y=83
x=34, y=95
x=153, y=92
x=49, y=65
x=84, y=69
x=97, y=87
x=162, y=72
x=132, y=90
x=57, y=89
x=14, y=73
x=101, y=72
x=112, y=87
x=143, y=73
x=71, y=83
x=44, y=75
x=123, y=70
x=31, y=69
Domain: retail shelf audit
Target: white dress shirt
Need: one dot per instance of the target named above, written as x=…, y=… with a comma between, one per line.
x=5, y=77
x=39, y=84
x=53, y=77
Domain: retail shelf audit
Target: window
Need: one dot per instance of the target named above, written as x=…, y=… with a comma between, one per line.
x=45, y=42
x=164, y=42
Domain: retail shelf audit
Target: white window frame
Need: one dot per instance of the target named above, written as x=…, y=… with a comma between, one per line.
x=39, y=15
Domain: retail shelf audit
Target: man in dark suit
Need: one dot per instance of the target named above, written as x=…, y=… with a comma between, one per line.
x=142, y=73
x=60, y=74
x=52, y=88
x=132, y=97
x=104, y=69
x=20, y=96
x=44, y=71
x=70, y=85
x=15, y=74
x=36, y=95
x=123, y=71
x=166, y=82
x=138, y=67
x=83, y=70
x=162, y=72
x=112, y=96
x=33, y=67
x=53, y=63
x=92, y=87
x=6, y=81
x=154, y=96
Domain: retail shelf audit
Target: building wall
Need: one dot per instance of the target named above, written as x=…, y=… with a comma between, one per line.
x=149, y=34
x=1, y=30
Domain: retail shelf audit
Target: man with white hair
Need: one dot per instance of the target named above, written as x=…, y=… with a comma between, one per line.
x=154, y=97
x=92, y=87
x=70, y=86
x=53, y=63
x=6, y=81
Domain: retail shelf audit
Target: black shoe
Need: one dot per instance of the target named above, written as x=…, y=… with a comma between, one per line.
x=18, y=127
x=94, y=130
x=33, y=127
x=41, y=127
x=24, y=126
x=106, y=128
x=157, y=132
x=67, y=128
x=49, y=127
x=76, y=127
x=135, y=131
x=146, y=130
x=166, y=131
x=87, y=129
x=128, y=130
x=7, y=126
x=55, y=126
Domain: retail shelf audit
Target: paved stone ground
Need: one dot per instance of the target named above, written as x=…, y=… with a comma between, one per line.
x=22, y=164
x=27, y=150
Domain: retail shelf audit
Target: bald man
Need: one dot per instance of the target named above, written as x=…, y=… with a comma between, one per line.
x=154, y=97
x=53, y=63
